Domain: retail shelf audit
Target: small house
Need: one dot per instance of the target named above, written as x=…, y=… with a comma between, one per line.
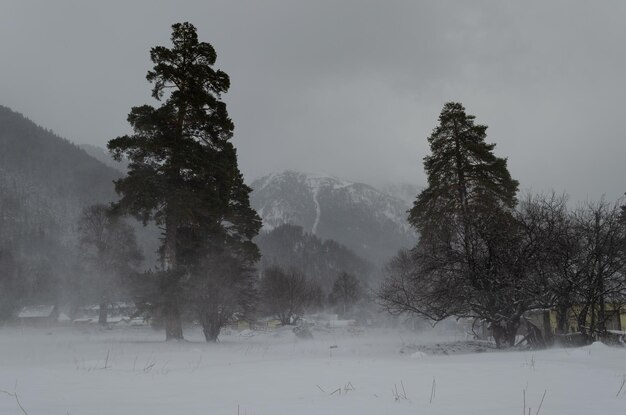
x=38, y=315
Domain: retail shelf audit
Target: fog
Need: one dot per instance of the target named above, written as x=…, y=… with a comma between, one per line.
x=350, y=89
x=161, y=283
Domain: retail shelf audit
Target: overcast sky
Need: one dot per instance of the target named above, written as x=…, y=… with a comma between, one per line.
x=347, y=88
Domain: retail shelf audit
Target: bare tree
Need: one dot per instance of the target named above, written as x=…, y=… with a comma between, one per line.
x=601, y=260
x=346, y=291
x=223, y=288
x=286, y=294
x=496, y=273
x=110, y=253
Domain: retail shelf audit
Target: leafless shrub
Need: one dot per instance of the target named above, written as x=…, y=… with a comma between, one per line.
x=433, y=390
x=529, y=408
x=399, y=395
x=621, y=386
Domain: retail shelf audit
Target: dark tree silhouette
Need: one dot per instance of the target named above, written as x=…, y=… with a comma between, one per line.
x=286, y=294
x=183, y=169
x=468, y=232
x=346, y=292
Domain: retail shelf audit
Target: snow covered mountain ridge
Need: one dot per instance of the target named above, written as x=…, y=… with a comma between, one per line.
x=368, y=221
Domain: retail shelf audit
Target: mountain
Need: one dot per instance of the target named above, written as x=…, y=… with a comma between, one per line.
x=290, y=247
x=104, y=157
x=37, y=156
x=371, y=223
x=406, y=192
x=45, y=182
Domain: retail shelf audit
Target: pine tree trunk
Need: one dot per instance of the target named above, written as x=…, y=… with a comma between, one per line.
x=211, y=323
x=173, y=323
x=169, y=248
x=211, y=329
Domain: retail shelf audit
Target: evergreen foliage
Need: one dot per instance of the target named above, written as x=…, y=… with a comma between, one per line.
x=465, y=262
x=183, y=170
x=483, y=256
x=465, y=178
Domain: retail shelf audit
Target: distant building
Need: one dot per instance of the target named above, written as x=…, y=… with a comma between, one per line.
x=38, y=315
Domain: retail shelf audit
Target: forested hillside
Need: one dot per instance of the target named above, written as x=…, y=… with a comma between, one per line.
x=289, y=246
x=45, y=182
x=371, y=223
x=103, y=156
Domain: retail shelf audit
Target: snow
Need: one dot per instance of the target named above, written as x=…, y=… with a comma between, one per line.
x=63, y=318
x=340, y=323
x=130, y=370
x=418, y=355
x=274, y=214
x=266, y=181
x=279, y=198
x=37, y=311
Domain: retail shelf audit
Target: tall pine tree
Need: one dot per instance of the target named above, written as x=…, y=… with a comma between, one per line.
x=464, y=262
x=183, y=171
x=464, y=176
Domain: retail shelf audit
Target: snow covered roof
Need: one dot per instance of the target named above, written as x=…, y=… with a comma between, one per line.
x=36, y=311
x=63, y=317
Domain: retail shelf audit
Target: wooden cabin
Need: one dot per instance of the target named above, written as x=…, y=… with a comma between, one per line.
x=38, y=315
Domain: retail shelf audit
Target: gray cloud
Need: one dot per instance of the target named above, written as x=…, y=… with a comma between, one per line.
x=349, y=88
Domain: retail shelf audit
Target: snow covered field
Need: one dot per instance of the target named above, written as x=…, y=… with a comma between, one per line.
x=132, y=371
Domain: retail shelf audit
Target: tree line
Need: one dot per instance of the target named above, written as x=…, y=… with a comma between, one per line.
x=483, y=252
x=44, y=183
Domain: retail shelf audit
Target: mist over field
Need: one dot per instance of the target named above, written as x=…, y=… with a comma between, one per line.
x=315, y=208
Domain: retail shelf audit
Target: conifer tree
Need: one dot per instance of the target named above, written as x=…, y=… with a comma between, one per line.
x=465, y=261
x=464, y=176
x=183, y=171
